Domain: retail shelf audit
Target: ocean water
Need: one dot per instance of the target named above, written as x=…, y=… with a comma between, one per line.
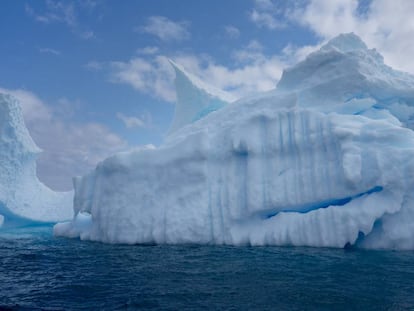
x=39, y=271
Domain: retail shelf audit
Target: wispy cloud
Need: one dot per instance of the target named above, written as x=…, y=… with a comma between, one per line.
x=133, y=121
x=154, y=76
x=88, y=4
x=264, y=19
x=232, y=31
x=165, y=29
x=264, y=4
x=151, y=76
x=148, y=50
x=94, y=65
x=254, y=73
x=267, y=14
x=56, y=11
x=62, y=12
x=49, y=51
x=252, y=52
x=86, y=34
x=70, y=148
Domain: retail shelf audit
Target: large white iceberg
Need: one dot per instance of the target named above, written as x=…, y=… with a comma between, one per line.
x=24, y=200
x=326, y=159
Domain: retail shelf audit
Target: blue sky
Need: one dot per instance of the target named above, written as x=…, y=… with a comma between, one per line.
x=93, y=78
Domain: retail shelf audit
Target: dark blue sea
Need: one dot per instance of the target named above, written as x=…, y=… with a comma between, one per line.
x=41, y=272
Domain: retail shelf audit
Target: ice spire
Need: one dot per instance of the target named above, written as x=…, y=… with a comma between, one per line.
x=24, y=200
x=195, y=99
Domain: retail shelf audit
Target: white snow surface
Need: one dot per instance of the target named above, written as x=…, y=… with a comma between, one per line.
x=326, y=159
x=24, y=200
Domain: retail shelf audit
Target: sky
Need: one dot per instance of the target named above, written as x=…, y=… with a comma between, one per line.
x=93, y=77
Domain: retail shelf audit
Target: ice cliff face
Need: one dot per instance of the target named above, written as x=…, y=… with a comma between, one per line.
x=327, y=159
x=23, y=198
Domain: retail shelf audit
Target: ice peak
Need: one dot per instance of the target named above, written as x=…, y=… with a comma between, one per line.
x=209, y=89
x=12, y=128
x=342, y=67
x=195, y=98
x=346, y=42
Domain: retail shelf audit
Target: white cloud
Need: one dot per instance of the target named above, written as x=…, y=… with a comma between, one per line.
x=150, y=76
x=166, y=29
x=69, y=148
x=267, y=14
x=231, y=31
x=265, y=19
x=386, y=25
x=251, y=53
x=131, y=121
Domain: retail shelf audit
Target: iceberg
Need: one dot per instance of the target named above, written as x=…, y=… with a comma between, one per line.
x=326, y=160
x=24, y=200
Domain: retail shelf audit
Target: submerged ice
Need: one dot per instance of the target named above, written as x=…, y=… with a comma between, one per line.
x=326, y=159
x=24, y=200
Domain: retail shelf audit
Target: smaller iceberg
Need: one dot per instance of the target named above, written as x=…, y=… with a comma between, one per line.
x=24, y=200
